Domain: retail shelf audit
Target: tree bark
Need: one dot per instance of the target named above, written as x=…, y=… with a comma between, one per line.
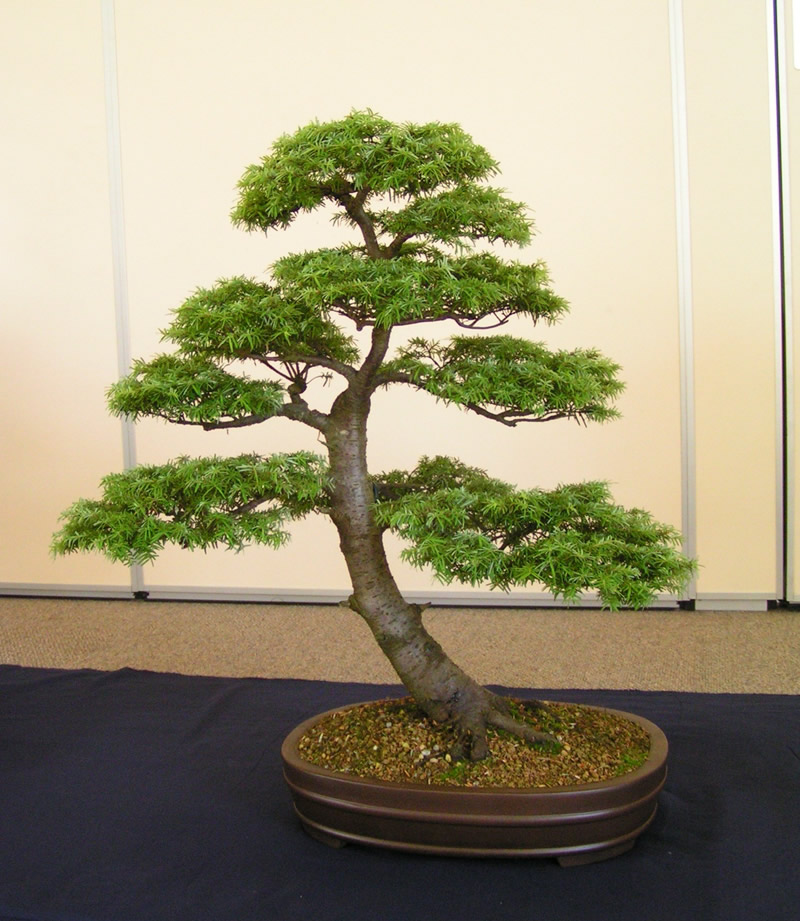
x=444, y=691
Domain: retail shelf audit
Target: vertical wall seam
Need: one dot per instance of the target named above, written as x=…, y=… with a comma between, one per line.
x=781, y=247
x=118, y=242
x=685, y=292
x=781, y=467
x=788, y=302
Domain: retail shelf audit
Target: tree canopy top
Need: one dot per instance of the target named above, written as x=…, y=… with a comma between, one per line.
x=364, y=154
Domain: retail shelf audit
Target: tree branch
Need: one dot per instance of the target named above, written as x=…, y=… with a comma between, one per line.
x=465, y=322
x=377, y=352
x=396, y=245
x=511, y=417
x=354, y=206
x=313, y=361
x=297, y=410
x=472, y=323
x=318, y=361
x=241, y=422
x=249, y=506
x=395, y=377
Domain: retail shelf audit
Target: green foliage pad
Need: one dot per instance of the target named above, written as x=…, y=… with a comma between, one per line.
x=196, y=504
x=471, y=528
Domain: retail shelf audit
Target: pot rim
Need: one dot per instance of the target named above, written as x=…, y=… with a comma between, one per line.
x=655, y=762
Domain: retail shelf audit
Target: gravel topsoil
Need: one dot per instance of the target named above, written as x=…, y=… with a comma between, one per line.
x=393, y=740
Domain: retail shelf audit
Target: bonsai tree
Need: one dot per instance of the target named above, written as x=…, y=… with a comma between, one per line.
x=417, y=198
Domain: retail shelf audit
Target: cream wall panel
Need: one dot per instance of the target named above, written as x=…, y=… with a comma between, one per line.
x=57, y=351
x=733, y=295
x=573, y=99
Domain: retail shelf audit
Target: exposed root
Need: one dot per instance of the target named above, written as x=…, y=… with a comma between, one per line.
x=523, y=730
x=471, y=742
x=471, y=723
x=503, y=705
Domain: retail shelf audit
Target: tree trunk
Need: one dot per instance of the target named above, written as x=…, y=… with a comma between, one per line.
x=443, y=690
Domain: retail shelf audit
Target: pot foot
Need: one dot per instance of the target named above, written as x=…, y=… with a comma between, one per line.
x=606, y=853
x=323, y=836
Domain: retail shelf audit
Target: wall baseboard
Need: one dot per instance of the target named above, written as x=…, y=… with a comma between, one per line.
x=39, y=590
x=720, y=601
x=336, y=596
x=731, y=602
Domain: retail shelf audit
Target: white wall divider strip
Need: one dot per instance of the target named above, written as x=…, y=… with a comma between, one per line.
x=118, y=243
x=782, y=273
x=685, y=302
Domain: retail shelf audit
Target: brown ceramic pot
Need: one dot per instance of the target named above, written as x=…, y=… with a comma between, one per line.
x=575, y=824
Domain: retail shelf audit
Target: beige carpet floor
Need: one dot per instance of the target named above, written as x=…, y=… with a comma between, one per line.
x=737, y=652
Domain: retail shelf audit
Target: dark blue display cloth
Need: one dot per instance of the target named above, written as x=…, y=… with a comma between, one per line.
x=135, y=796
